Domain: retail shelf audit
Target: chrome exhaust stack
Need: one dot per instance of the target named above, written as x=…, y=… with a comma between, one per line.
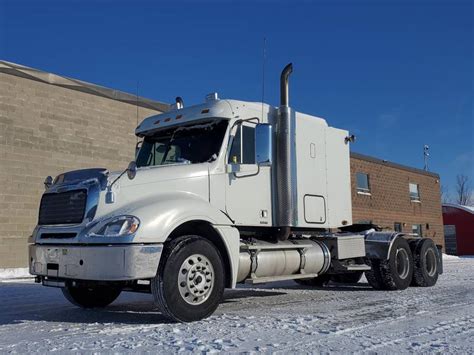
x=286, y=201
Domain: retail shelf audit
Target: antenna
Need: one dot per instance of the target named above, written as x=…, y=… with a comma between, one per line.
x=137, y=108
x=263, y=71
x=426, y=154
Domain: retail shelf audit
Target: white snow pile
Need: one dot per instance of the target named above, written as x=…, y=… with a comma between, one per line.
x=14, y=273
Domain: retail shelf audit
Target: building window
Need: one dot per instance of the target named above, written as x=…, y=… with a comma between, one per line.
x=416, y=229
x=397, y=226
x=414, y=192
x=363, y=183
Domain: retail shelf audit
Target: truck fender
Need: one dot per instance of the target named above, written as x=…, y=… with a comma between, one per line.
x=164, y=213
x=160, y=217
x=379, y=244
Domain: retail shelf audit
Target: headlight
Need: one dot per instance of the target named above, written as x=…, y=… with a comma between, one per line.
x=121, y=226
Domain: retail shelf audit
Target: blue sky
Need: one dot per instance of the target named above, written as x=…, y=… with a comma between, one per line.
x=398, y=74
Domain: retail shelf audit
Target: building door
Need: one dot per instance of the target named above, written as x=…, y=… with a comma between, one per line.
x=450, y=243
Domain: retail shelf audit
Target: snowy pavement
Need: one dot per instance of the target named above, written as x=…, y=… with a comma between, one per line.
x=284, y=317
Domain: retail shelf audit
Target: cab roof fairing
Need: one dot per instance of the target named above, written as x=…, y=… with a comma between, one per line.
x=231, y=110
x=218, y=109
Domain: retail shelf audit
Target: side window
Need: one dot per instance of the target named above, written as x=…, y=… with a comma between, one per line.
x=174, y=155
x=151, y=154
x=414, y=192
x=243, y=146
x=416, y=229
x=397, y=226
x=158, y=153
x=363, y=182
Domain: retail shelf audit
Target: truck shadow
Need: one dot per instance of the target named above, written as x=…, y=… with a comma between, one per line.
x=349, y=287
x=128, y=309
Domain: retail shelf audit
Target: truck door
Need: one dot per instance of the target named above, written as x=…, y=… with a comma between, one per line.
x=248, y=186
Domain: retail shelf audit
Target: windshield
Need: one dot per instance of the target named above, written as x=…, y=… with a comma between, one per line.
x=198, y=143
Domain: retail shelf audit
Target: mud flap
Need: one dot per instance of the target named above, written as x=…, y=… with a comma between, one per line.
x=440, y=258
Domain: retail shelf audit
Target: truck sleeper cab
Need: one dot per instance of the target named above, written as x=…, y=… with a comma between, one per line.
x=220, y=193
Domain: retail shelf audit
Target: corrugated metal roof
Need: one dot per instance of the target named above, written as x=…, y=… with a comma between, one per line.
x=78, y=85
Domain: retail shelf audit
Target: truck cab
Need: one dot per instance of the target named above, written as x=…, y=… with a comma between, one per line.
x=219, y=193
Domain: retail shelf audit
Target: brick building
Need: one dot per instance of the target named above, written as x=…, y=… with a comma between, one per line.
x=50, y=124
x=396, y=197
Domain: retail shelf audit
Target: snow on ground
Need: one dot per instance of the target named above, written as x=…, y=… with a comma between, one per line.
x=8, y=274
x=283, y=317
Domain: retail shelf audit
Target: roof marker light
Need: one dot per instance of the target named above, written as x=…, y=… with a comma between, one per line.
x=206, y=110
x=157, y=122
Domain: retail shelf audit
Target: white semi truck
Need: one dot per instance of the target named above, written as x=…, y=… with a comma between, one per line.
x=220, y=193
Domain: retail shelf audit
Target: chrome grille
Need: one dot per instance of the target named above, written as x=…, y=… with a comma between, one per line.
x=63, y=207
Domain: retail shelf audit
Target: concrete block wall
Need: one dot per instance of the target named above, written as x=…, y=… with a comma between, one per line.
x=45, y=130
x=389, y=198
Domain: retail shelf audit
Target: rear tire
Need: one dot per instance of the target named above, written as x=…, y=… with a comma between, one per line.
x=373, y=276
x=189, y=284
x=91, y=297
x=349, y=278
x=425, y=257
x=396, y=273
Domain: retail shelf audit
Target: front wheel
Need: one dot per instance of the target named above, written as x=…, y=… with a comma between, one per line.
x=189, y=284
x=91, y=297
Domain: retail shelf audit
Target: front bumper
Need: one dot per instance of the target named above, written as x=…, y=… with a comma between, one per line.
x=97, y=263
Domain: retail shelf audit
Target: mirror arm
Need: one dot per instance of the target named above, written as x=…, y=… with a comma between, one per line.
x=113, y=182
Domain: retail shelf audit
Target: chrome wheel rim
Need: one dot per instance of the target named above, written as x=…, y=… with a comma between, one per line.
x=402, y=263
x=196, y=279
x=430, y=262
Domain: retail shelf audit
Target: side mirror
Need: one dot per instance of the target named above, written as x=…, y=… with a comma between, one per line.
x=48, y=182
x=132, y=170
x=263, y=144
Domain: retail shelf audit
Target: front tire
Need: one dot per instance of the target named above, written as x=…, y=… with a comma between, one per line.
x=189, y=284
x=91, y=297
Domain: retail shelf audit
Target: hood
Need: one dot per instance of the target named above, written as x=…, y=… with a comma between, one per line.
x=154, y=184
x=154, y=174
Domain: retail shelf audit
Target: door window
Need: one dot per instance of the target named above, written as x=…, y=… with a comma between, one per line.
x=243, y=146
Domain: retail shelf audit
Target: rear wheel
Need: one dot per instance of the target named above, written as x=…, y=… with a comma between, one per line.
x=91, y=297
x=396, y=273
x=425, y=257
x=190, y=281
